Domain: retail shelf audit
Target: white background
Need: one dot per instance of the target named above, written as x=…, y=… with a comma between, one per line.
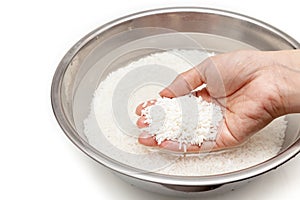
x=37, y=159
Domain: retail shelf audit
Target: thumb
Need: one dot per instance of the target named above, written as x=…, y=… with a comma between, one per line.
x=185, y=82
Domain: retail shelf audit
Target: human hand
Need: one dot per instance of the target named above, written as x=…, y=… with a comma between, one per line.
x=253, y=88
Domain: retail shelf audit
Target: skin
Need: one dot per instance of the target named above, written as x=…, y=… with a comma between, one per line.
x=252, y=87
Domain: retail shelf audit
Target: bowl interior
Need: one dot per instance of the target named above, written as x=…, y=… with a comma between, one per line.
x=118, y=43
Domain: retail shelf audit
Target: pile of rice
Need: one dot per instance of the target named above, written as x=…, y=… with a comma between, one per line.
x=186, y=119
x=104, y=133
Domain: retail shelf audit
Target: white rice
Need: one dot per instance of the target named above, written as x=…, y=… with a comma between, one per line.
x=104, y=133
x=186, y=119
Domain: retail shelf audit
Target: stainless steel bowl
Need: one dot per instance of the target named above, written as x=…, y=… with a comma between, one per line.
x=77, y=77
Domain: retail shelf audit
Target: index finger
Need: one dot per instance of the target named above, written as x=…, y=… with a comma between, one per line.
x=143, y=105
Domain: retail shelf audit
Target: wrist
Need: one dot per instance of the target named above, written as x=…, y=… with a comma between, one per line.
x=293, y=92
x=288, y=65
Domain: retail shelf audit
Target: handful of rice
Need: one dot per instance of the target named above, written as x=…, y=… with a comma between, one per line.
x=186, y=119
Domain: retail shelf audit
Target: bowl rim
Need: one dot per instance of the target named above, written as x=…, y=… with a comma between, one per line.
x=126, y=170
